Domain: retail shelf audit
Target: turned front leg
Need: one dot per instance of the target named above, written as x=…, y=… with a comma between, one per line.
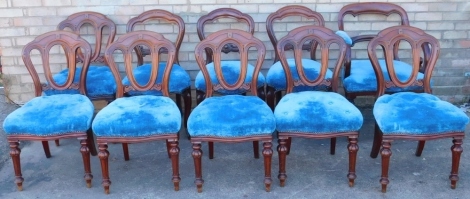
x=104, y=154
x=197, y=153
x=456, y=152
x=386, y=153
x=15, y=156
x=86, y=161
x=174, y=153
x=267, y=153
x=282, y=151
x=352, y=148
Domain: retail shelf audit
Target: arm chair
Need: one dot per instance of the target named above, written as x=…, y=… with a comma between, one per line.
x=315, y=114
x=230, y=68
x=231, y=118
x=180, y=82
x=141, y=118
x=400, y=115
x=99, y=82
x=65, y=115
x=359, y=77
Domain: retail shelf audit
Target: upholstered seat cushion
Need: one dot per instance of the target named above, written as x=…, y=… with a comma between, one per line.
x=231, y=116
x=347, y=39
x=316, y=112
x=138, y=116
x=417, y=113
x=99, y=82
x=363, y=78
x=276, y=76
x=179, y=78
x=231, y=72
x=51, y=115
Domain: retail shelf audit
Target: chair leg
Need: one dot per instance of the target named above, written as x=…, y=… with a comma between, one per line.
x=57, y=143
x=377, y=142
x=456, y=151
x=200, y=96
x=332, y=146
x=282, y=152
x=86, y=161
x=178, y=102
x=197, y=153
x=352, y=148
x=420, y=148
x=386, y=153
x=256, y=149
x=15, y=156
x=278, y=96
x=268, y=154
x=91, y=142
x=125, y=150
x=168, y=148
x=211, y=150
x=103, y=154
x=174, y=152
x=262, y=93
x=47, y=151
x=187, y=105
x=270, y=97
x=288, y=144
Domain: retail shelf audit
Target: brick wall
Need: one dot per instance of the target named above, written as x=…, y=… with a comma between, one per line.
x=21, y=21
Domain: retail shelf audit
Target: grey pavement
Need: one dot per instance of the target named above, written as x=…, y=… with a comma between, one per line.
x=234, y=173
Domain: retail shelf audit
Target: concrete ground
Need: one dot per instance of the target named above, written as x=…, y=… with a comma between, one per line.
x=234, y=173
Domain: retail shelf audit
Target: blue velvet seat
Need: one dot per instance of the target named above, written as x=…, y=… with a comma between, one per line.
x=314, y=114
x=145, y=117
x=236, y=113
x=411, y=115
x=55, y=116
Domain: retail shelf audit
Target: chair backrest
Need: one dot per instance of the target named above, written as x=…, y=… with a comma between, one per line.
x=72, y=44
x=155, y=42
x=324, y=38
x=98, y=22
x=288, y=11
x=157, y=14
x=215, y=42
x=419, y=42
x=216, y=14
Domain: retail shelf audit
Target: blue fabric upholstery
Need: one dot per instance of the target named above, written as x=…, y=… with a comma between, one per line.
x=51, y=115
x=179, y=79
x=231, y=116
x=276, y=76
x=347, y=39
x=231, y=71
x=138, y=116
x=99, y=81
x=363, y=78
x=417, y=113
x=316, y=112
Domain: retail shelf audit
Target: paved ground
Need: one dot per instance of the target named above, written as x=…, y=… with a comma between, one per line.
x=234, y=173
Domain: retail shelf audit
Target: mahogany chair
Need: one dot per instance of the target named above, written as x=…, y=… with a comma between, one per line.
x=57, y=116
x=230, y=68
x=231, y=118
x=359, y=77
x=411, y=115
x=141, y=118
x=180, y=82
x=99, y=81
x=315, y=114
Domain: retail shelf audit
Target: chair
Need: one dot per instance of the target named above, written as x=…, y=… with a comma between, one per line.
x=230, y=68
x=359, y=77
x=65, y=115
x=315, y=114
x=410, y=115
x=141, y=118
x=180, y=82
x=231, y=118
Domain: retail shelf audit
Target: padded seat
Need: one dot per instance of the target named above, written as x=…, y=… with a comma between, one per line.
x=316, y=112
x=179, y=79
x=99, y=82
x=231, y=116
x=39, y=116
x=417, y=114
x=276, y=77
x=138, y=116
x=362, y=77
x=231, y=72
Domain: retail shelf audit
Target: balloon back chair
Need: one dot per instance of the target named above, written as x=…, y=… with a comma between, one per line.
x=411, y=115
x=180, y=81
x=230, y=68
x=65, y=115
x=139, y=118
x=315, y=114
x=359, y=77
x=231, y=118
